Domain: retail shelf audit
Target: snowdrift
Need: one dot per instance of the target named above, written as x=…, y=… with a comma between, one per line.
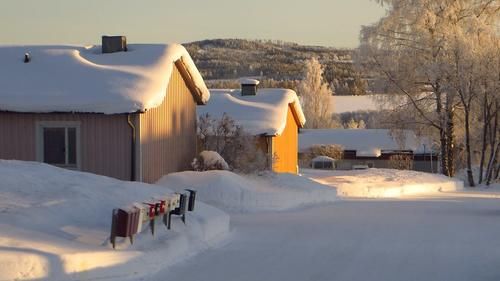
x=270, y=192
x=376, y=183
x=55, y=223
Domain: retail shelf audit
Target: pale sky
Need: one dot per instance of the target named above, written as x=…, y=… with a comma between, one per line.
x=313, y=22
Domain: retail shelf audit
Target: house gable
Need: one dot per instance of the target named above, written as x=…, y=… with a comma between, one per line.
x=167, y=133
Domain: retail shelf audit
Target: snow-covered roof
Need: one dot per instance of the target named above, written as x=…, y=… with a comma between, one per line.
x=366, y=142
x=322, y=158
x=262, y=114
x=249, y=81
x=68, y=78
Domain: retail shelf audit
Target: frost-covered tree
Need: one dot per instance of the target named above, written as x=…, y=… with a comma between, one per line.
x=230, y=141
x=345, y=81
x=315, y=96
x=353, y=124
x=423, y=50
x=469, y=70
x=489, y=110
x=361, y=124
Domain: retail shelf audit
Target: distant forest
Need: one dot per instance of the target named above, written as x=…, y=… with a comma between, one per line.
x=276, y=64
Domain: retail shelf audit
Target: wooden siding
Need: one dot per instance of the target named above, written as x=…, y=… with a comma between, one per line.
x=168, y=132
x=105, y=140
x=285, y=147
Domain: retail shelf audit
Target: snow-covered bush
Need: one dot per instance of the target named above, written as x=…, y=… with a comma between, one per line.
x=229, y=140
x=209, y=160
x=331, y=150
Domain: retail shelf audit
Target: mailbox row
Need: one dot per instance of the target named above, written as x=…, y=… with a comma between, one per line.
x=126, y=222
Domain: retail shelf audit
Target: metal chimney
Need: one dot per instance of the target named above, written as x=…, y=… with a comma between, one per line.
x=249, y=86
x=112, y=44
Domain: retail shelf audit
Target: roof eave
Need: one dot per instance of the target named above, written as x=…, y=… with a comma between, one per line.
x=200, y=92
x=297, y=112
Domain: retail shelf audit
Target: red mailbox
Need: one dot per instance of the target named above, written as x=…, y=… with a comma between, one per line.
x=164, y=202
x=124, y=223
x=151, y=211
x=154, y=210
x=157, y=208
x=162, y=206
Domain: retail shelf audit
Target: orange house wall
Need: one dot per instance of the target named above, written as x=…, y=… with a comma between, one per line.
x=285, y=147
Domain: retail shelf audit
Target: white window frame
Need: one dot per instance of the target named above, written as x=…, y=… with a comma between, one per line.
x=40, y=125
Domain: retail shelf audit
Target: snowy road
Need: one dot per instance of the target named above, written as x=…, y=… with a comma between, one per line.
x=415, y=239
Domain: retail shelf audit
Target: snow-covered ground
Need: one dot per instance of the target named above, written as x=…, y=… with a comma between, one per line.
x=55, y=224
x=377, y=183
x=357, y=240
x=268, y=192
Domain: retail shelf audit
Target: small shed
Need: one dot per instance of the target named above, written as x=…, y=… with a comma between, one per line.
x=323, y=162
x=273, y=116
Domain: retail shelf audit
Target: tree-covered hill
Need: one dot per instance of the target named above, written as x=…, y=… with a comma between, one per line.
x=277, y=63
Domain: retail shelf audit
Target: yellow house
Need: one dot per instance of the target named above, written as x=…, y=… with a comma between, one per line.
x=274, y=116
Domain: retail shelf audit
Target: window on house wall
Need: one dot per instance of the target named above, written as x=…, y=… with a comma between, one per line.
x=58, y=143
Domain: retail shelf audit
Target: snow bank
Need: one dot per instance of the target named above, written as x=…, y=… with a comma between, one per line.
x=264, y=113
x=271, y=192
x=55, y=223
x=82, y=79
x=377, y=183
